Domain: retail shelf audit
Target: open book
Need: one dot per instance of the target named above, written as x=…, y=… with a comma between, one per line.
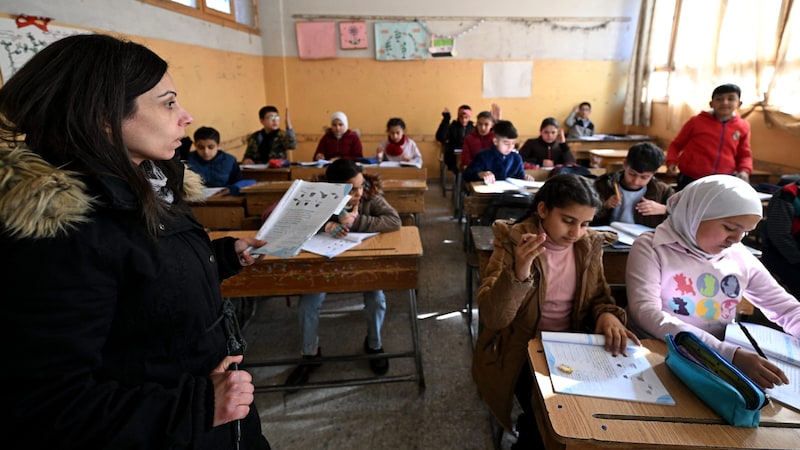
x=579, y=364
x=329, y=246
x=781, y=349
x=626, y=232
x=400, y=164
x=300, y=213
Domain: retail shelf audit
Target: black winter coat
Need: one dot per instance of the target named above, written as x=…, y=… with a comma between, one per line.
x=109, y=335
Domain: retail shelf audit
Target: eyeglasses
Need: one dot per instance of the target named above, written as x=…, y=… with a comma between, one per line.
x=273, y=118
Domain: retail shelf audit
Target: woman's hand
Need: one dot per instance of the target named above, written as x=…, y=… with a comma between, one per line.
x=233, y=391
x=616, y=334
x=241, y=246
x=761, y=371
x=528, y=248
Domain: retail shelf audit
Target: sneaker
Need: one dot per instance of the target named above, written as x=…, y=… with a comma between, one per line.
x=379, y=366
x=301, y=373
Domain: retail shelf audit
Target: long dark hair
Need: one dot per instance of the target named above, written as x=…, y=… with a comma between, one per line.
x=69, y=102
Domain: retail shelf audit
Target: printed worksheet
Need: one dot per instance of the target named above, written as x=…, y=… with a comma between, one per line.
x=579, y=364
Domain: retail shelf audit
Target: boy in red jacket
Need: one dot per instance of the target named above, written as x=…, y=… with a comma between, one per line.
x=713, y=142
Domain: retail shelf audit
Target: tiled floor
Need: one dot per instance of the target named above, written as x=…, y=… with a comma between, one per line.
x=447, y=415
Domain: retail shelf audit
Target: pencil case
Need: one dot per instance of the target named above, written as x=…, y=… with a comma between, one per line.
x=722, y=386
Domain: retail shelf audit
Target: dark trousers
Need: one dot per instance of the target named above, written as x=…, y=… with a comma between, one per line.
x=529, y=436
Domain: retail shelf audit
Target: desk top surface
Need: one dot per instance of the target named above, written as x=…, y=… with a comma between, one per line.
x=404, y=242
x=689, y=424
x=481, y=188
x=388, y=185
x=609, y=152
x=221, y=198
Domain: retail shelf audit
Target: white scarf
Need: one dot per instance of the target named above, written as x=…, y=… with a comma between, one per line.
x=158, y=181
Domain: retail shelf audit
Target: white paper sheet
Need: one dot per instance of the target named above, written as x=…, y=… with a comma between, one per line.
x=507, y=79
x=329, y=246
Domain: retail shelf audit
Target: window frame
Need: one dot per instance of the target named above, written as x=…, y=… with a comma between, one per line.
x=211, y=15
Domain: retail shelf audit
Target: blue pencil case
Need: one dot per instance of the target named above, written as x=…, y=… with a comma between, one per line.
x=721, y=385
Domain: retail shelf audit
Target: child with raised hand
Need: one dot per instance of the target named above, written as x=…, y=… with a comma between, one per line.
x=339, y=141
x=500, y=161
x=634, y=194
x=398, y=146
x=579, y=123
x=549, y=149
x=692, y=272
x=366, y=212
x=215, y=167
x=713, y=142
x=545, y=274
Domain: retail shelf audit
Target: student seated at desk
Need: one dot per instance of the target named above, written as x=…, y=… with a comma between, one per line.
x=545, y=274
x=215, y=167
x=398, y=146
x=579, y=123
x=549, y=149
x=634, y=194
x=270, y=142
x=692, y=272
x=339, y=141
x=482, y=137
x=500, y=161
x=367, y=212
x=781, y=252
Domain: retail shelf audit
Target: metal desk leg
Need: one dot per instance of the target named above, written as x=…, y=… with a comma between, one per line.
x=412, y=303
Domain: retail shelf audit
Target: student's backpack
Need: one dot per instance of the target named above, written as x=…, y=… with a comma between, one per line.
x=510, y=205
x=571, y=168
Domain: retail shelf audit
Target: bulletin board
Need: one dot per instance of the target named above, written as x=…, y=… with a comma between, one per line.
x=19, y=44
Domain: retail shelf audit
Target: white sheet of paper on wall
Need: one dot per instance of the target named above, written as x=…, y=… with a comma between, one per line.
x=508, y=79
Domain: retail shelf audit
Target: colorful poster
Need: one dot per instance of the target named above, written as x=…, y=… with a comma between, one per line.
x=400, y=41
x=20, y=40
x=316, y=40
x=352, y=35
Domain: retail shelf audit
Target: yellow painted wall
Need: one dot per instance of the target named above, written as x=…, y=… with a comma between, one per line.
x=371, y=92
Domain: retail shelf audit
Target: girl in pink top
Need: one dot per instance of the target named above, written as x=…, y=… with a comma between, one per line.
x=692, y=272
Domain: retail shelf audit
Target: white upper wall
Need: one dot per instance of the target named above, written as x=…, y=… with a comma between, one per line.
x=492, y=39
x=132, y=17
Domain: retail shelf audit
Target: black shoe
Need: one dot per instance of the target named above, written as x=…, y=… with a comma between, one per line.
x=301, y=373
x=379, y=366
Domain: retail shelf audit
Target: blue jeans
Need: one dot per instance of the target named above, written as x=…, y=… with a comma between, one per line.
x=308, y=317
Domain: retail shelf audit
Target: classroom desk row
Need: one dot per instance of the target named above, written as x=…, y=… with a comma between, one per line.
x=309, y=173
x=388, y=261
x=223, y=211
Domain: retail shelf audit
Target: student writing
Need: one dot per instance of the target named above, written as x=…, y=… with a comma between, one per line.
x=692, y=272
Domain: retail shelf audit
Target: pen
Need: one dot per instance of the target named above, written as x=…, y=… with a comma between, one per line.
x=757, y=349
x=237, y=426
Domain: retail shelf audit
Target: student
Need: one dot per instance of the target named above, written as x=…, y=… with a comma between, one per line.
x=112, y=311
x=500, y=161
x=692, y=272
x=549, y=149
x=545, y=274
x=634, y=194
x=215, y=167
x=398, y=146
x=270, y=142
x=781, y=252
x=339, y=141
x=481, y=138
x=366, y=212
x=452, y=134
x=579, y=123
x=716, y=141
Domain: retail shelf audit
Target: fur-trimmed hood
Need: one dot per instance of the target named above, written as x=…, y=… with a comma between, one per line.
x=39, y=200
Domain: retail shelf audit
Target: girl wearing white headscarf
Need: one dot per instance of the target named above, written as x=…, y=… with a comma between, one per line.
x=339, y=141
x=692, y=272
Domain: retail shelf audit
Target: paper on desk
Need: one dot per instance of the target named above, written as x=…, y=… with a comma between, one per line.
x=211, y=191
x=326, y=245
x=525, y=183
x=301, y=212
x=579, y=364
x=399, y=164
x=254, y=166
x=317, y=163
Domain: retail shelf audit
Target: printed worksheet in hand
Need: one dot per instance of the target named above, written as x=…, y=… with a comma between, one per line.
x=300, y=213
x=579, y=364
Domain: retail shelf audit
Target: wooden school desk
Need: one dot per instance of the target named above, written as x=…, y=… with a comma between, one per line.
x=221, y=211
x=309, y=173
x=255, y=172
x=606, y=158
x=406, y=196
x=758, y=176
x=575, y=422
x=580, y=147
x=388, y=261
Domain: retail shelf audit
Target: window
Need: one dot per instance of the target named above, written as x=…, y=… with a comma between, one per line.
x=240, y=14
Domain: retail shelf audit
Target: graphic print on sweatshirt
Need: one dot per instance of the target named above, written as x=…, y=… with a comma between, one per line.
x=706, y=297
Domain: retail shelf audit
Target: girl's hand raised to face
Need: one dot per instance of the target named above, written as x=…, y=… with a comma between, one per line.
x=528, y=248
